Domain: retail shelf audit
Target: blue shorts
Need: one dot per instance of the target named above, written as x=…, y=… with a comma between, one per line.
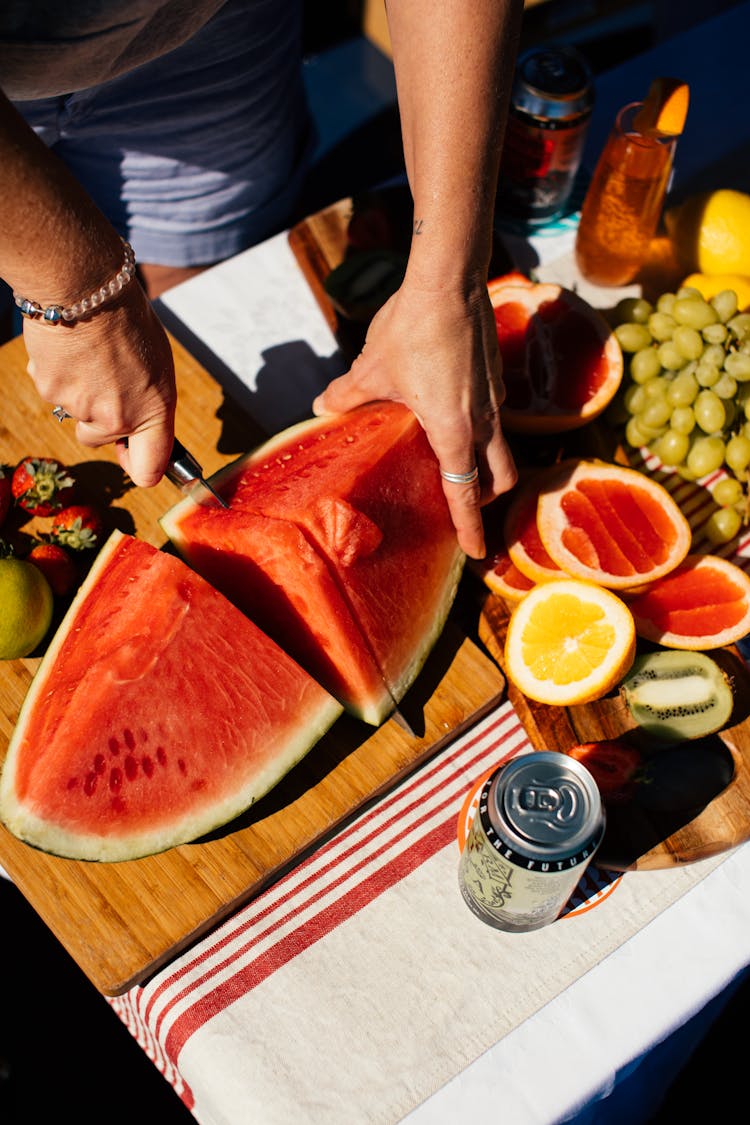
x=201, y=153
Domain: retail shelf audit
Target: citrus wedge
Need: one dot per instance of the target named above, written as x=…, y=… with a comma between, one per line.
x=500, y=574
x=610, y=524
x=562, y=364
x=703, y=604
x=521, y=534
x=569, y=642
x=664, y=108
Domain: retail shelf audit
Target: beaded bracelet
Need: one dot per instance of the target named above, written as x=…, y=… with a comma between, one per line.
x=54, y=314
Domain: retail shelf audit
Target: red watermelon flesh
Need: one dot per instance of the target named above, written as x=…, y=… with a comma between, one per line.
x=339, y=544
x=159, y=712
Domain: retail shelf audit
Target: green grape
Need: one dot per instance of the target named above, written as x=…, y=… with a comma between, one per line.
x=687, y=341
x=672, y=447
x=665, y=303
x=722, y=526
x=725, y=386
x=737, y=455
x=705, y=456
x=656, y=388
x=632, y=337
x=686, y=473
x=725, y=304
x=706, y=374
x=683, y=389
x=739, y=325
x=655, y=414
x=661, y=326
x=634, y=399
x=634, y=435
x=682, y=420
x=715, y=333
x=694, y=311
x=633, y=309
x=644, y=365
x=688, y=291
x=737, y=365
x=710, y=413
x=728, y=492
x=714, y=353
x=731, y=409
x=670, y=356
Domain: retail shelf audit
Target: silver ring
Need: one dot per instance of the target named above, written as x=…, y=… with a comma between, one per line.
x=61, y=413
x=461, y=478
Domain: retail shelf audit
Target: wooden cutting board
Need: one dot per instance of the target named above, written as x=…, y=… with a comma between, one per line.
x=699, y=801
x=122, y=921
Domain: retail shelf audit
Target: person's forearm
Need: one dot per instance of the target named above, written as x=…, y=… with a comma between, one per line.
x=454, y=65
x=55, y=245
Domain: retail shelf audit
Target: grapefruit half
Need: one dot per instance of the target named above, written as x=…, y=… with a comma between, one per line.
x=500, y=574
x=611, y=525
x=562, y=364
x=521, y=533
x=703, y=604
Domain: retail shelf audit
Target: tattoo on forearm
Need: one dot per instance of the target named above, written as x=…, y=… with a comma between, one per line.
x=418, y=224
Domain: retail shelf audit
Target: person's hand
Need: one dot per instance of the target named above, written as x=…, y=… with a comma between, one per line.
x=437, y=352
x=114, y=373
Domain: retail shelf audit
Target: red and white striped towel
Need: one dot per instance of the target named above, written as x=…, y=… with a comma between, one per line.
x=360, y=982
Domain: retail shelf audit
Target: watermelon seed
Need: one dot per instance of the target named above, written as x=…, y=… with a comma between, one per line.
x=114, y=747
x=99, y=763
x=131, y=768
x=148, y=765
x=129, y=737
x=161, y=755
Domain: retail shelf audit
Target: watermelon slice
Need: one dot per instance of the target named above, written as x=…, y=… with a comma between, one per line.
x=158, y=713
x=338, y=543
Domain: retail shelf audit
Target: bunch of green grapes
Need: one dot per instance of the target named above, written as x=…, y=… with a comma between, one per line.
x=686, y=394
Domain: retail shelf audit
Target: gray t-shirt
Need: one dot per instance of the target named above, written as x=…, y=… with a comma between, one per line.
x=48, y=48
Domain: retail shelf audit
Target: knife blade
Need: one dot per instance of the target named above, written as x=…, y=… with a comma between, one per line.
x=184, y=471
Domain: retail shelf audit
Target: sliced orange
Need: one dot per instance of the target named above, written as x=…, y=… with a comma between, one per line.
x=569, y=642
x=610, y=524
x=521, y=533
x=562, y=364
x=704, y=603
x=664, y=108
x=502, y=576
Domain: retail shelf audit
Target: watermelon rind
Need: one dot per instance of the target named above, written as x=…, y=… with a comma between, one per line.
x=47, y=829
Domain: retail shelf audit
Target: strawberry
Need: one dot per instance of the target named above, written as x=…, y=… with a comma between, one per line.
x=41, y=486
x=78, y=527
x=56, y=565
x=6, y=494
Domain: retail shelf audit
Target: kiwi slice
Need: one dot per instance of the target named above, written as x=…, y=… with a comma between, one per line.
x=673, y=694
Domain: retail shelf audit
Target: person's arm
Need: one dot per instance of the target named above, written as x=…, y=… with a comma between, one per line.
x=434, y=344
x=113, y=371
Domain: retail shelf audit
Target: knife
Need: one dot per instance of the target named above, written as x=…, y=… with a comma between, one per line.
x=184, y=471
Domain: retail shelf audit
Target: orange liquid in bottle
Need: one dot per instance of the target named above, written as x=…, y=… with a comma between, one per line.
x=623, y=206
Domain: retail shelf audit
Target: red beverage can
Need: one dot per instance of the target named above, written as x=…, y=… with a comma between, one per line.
x=551, y=104
x=539, y=822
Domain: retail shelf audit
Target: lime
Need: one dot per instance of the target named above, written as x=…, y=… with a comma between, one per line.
x=26, y=605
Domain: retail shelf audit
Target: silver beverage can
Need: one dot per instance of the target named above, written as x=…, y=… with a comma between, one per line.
x=551, y=104
x=538, y=824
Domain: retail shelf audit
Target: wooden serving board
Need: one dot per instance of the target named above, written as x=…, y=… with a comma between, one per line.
x=122, y=921
x=700, y=804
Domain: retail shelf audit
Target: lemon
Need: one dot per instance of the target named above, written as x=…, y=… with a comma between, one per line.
x=569, y=641
x=710, y=284
x=26, y=605
x=711, y=232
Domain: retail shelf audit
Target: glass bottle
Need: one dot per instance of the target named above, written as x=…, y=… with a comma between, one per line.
x=624, y=201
